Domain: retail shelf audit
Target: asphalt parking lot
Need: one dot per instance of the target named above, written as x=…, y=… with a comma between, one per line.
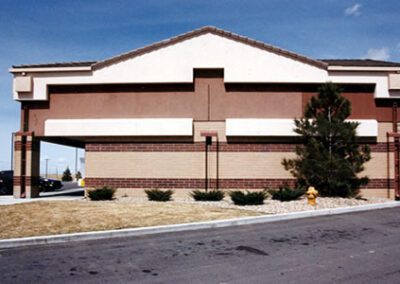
x=350, y=248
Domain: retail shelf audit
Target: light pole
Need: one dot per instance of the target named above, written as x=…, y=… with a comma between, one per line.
x=76, y=161
x=47, y=164
x=12, y=151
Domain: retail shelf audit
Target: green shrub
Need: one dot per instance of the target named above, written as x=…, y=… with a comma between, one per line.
x=284, y=193
x=212, y=195
x=248, y=198
x=159, y=195
x=104, y=193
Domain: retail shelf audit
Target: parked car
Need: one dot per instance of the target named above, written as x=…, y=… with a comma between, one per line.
x=6, y=182
x=45, y=184
x=48, y=184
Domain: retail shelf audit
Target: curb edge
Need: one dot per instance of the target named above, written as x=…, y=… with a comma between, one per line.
x=96, y=235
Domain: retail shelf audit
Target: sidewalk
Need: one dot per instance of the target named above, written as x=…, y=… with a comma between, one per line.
x=68, y=194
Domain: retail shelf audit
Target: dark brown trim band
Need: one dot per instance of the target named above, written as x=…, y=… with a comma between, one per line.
x=29, y=180
x=200, y=147
x=199, y=183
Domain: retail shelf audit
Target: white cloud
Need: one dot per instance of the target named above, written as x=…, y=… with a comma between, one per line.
x=353, y=10
x=378, y=53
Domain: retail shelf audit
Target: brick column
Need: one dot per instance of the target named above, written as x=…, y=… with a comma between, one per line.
x=17, y=166
x=26, y=165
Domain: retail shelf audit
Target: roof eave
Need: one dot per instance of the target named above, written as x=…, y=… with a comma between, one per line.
x=16, y=70
x=363, y=68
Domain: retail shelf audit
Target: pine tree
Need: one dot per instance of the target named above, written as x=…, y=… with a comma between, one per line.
x=78, y=175
x=66, y=175
x=330, y=157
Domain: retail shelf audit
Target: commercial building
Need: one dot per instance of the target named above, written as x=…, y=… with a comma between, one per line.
x=205, y=109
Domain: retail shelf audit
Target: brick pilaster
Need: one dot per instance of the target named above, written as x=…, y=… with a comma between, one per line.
x=26, y=165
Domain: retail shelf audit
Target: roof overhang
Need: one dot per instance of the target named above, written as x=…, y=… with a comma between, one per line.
x=364, y=68
x=49, y=69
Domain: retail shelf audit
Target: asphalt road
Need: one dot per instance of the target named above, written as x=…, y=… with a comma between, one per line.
x=351, y=248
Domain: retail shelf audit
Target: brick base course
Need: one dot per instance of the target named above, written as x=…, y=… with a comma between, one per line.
x=29, y=180
x=200, y=183
x=200, y=147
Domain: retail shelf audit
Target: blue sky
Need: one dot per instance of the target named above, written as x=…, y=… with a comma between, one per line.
x=54, y=31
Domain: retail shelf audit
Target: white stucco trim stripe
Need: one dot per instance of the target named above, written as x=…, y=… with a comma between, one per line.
x=367, y=127
x=119, y=127
x=284, y=127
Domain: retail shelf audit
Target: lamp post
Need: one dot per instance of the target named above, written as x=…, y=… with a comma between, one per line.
x=47, y=164
x=76, y=161
x=12, y=151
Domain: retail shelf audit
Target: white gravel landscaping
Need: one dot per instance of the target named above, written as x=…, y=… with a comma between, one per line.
x=271, y=206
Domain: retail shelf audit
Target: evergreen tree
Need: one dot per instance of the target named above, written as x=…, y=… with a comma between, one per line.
x=330, y=157
x=66, y=175
x=78, y=175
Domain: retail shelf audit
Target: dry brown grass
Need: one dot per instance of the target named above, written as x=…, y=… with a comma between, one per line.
x=60, y=217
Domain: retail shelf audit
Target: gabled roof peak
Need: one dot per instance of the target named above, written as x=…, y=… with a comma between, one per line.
x=205, y=30
x=321, y=63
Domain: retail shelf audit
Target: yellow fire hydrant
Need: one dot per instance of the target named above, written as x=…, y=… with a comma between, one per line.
x=312, y=194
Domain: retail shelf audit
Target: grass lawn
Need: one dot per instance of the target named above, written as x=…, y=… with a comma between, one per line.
x=60, y=217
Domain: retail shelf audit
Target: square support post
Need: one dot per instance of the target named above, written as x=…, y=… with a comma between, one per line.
x=26, y=165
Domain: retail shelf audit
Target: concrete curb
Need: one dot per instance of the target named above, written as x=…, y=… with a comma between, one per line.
x=54, y=239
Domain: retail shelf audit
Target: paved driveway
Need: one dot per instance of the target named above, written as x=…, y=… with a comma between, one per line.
x=352, y=248
x=69, y=191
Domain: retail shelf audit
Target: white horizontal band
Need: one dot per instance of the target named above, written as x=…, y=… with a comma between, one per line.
x=119, y=127
x=284, y=127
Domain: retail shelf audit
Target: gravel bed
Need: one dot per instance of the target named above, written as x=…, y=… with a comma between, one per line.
x=270, y=206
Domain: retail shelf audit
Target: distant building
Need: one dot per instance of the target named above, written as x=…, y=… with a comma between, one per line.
x=208, y=108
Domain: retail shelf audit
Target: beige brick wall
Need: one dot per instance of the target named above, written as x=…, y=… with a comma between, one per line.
x=144, y=164
x=29, y=165
x=192, y=165
x=383, y=193
x=377, y=166
x=383, y=128
x=253, y=165
x=17, y=163
x=185, y=165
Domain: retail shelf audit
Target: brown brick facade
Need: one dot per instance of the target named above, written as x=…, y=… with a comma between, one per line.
x=29, y=180
x=18, y=145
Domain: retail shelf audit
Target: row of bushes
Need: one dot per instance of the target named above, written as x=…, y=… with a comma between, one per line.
x=238, y=197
